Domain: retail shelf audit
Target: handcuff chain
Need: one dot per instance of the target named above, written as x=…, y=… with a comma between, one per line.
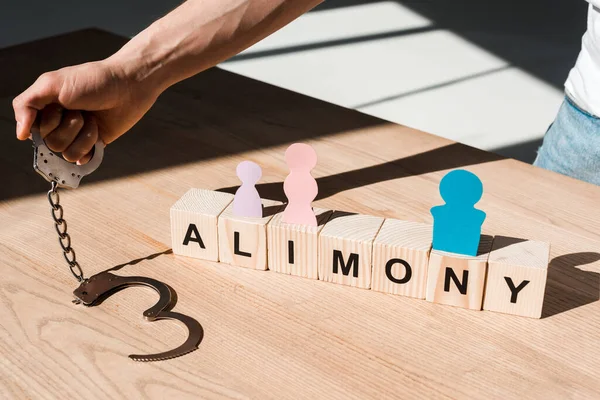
x=64, y=239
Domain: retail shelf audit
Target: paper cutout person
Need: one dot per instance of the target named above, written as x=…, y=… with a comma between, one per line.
x=457, y=224
x=246, y=202
x=300, y=187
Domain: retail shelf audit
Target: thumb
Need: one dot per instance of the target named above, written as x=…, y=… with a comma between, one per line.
x=43, y=92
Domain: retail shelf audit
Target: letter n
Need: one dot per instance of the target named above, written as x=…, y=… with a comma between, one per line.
x=461, y=286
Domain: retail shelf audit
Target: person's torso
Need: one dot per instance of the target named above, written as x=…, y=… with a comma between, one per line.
x=583, y=83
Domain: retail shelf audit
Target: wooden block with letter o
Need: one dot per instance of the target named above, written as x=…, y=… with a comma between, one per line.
x=517, y=273
x=243, y=240
x=345, y=249
x=292, y=248
x=194, y=223
x=458, y=280
x=400, y=258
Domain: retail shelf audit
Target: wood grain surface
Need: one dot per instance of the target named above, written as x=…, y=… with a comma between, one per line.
x=401, y=242
x=305, y=244
x=525, y=264
x=270, y=335
x=194, y=223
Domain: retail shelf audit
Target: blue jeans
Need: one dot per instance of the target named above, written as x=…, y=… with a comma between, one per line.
x=572, y=144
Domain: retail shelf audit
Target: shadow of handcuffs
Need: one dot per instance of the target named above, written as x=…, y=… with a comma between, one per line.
x=95, y=289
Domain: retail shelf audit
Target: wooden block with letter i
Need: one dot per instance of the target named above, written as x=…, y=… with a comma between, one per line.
x=243, y=240
x=194, y=223
x=400, y=258
x=293, y=248
x=517, y=273
x=458, y=280
x=345, y=249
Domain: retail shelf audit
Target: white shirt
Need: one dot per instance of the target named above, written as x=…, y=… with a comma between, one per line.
x=583, y=84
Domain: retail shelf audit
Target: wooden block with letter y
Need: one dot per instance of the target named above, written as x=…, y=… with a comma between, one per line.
x=194, y=223
x=400, y=258
x=243, y=240
x=458, y=280
x=292, y=248
x=517, y=273
x=345, y=249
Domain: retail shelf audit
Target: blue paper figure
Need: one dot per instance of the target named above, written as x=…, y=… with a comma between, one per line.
x=457, y=224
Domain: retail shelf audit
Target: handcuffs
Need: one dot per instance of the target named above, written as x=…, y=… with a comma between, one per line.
x=95, y=289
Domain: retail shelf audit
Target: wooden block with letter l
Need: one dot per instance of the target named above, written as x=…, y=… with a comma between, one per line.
x=458, y=280
x=243, y=240
x=401, y=257
x=194, y=223
x=293, y=248
x=345, y=249
x=517, y=273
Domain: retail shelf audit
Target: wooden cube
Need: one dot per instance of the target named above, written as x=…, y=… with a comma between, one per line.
x=517, y=273
x=401, y=257
x=194, y=223
x=346, y=247
x=293, y=248
x=243, y=240
x=458, y=280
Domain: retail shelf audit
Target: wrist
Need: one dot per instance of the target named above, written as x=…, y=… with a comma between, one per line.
x=140, y=74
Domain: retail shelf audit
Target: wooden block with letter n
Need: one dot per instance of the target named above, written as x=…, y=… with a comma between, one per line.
x=456, y=279
x=194, y=223
x=243, y=240
x=400, y=258
x=293, y=248
x=345, y=249
x=517, y=273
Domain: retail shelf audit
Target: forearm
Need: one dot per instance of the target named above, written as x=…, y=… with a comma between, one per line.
x=201, y=33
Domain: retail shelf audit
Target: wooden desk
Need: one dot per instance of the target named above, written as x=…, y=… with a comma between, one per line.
x=269, y=335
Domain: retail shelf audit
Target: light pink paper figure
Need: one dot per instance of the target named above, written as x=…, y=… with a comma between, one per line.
x=300, y=187
x=246, y=202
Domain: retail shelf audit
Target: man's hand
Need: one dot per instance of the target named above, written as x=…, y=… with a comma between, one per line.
x=76, y=106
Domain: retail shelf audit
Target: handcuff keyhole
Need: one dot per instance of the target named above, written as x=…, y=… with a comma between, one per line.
x=84, y=293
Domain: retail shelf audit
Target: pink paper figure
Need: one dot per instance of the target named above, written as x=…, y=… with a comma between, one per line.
x=299, y=186
x=246, y=202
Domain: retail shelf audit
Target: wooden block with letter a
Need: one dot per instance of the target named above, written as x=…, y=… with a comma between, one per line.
x=400, y=258
x=345, y=249
x=243, y=240
x=194, y=223
x=292, y=248
x=517, y=273
x=456, y=279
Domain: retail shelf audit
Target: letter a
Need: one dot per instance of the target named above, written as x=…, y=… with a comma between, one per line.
x=196, y=238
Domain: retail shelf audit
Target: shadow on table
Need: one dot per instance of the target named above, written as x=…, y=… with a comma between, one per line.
x=569, y=287
x=442, y=158
x=199, y=119
x=139, y=260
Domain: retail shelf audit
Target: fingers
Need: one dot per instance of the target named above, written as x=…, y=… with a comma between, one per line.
x=50, y=119
x=80, y=149
x=61, y=138
x=44, y=91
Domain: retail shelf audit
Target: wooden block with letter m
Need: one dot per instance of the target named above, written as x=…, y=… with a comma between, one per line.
x=346, y=247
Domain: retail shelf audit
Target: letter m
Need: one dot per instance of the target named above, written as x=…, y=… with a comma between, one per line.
x=338, y=260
